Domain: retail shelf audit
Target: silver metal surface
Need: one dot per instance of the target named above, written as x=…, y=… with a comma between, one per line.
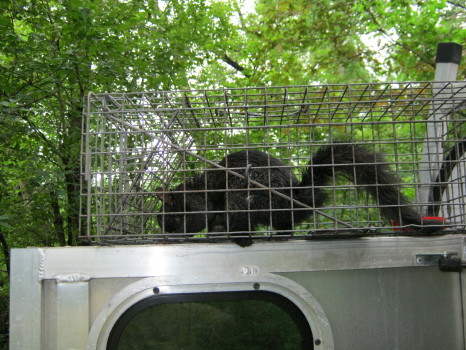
x=438, y=140
x=72, y=314
x=397, y=308
x=348, y=289
x=163, y=260
x=26, y=299
x=436, y=134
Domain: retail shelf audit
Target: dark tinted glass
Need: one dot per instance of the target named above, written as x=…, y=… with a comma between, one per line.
x=214, y=321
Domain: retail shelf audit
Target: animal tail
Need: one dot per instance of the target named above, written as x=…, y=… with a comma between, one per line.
x=369, y=170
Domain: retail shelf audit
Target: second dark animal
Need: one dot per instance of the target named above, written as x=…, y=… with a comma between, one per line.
x=225, y=202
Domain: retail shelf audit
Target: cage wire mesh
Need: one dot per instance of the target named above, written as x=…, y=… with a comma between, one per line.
x=136, y=147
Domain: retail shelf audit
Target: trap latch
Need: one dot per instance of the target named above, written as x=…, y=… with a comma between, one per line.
x=447, y=261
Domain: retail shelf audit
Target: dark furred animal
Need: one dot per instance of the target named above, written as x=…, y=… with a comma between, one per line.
x=228, y=203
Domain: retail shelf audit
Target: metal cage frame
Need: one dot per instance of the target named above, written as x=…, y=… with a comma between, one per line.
x=133, y=144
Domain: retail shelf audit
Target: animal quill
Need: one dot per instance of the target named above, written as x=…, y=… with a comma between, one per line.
x=225, y=202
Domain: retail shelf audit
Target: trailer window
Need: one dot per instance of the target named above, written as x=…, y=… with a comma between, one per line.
x=216, y=321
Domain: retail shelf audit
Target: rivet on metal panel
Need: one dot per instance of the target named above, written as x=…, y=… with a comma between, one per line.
x=256, y=286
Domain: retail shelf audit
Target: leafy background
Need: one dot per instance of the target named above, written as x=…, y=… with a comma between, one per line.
x=53, y=52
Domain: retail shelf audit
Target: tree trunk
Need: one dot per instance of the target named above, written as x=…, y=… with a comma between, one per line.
x=72, y=190
x=71, y=161
x=6, y=251
x=57, y=218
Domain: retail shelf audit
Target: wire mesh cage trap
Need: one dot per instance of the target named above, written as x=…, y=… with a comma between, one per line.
x=195, y=165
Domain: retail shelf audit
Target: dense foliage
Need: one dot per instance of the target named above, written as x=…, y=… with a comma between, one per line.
x=53, y=52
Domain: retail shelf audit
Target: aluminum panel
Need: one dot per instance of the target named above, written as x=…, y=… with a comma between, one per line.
x=25, y=299
x=168, y=260
x=397, y=308
x=72, y=314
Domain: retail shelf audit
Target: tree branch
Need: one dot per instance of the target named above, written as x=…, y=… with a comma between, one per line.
x=384, y=32
x=40, y=134
x=240, y=15
x=456, y=4
x=235, y=65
